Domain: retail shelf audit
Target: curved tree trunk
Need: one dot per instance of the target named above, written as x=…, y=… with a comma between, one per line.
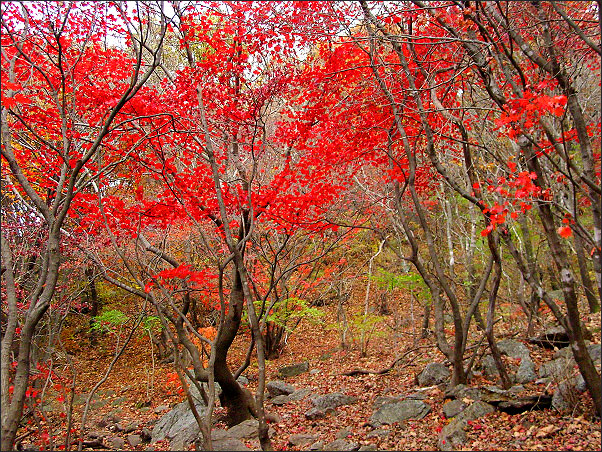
x=237, y=400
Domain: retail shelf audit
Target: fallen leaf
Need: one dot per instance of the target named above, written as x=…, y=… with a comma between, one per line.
x=545, y=431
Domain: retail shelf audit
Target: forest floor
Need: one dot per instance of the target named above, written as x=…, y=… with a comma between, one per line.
x=138, y=394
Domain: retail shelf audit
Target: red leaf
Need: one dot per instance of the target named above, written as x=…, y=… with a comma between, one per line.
x=565, y=232
x=485, y=232
x=11, y=85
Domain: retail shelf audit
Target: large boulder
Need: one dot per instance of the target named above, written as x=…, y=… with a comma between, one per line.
x=196, y=394
x=228, y=444
x=508, y=400
x=248, y=429
x=593, y=349
x=314, y=413
x=452, y=435
x=462, y=391
x=555, y=337
x=293, y=370
x=559, y=369
x=390, y=413
x=342, y=444
x=180, y=423
x=514, y=349
x=299, y=394
x=526, y=371
x=433, y=374
x=245, y=430
x=383, y=400
x=302, y=439
x=488, y=366
x=332, y=400
x=133, y=440
x=565, y=397
x=452, y=408
x=281, y=400
x=279, y=387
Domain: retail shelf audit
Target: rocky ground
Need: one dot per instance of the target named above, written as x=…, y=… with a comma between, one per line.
x=320, y=397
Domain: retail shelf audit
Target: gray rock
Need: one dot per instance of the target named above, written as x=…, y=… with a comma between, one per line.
x=178, y=422
x=134, y=440
x=382, y=400
x=453, y=408
x=242, y=380
x=417, y=396
x=495, y=389
x=131, y=427
x=433, y=374
x=245, y=430
x=161, y=409
x=228, y=444
x=108, y=419
x=516, y=389
x=368, y=448
x=580, y=383
x=196, y=394
x=564, y=352
x=318, y=445
x=315, y=413
x=379, y=433
x=302, y=439
x=526, y=371
x=551, y=338
x=332, y=400
x=343, y=433
x=182, y=439
x=117, y=443
x=560, y=368
x=314, y=371
x=595, y=351
x=488, y=366
x=95, y=435
x=453, y=435
x=273, y=417
x=514, y=349
x=565, y=398
x=293, y=370
x=342, y=444
x=299, y=394
x=399, y=412
x=279, y=387
x=281, y=400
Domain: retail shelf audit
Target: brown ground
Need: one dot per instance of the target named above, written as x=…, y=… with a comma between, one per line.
x=129, y=387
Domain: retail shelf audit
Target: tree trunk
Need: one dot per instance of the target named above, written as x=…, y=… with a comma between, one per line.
x=237, y=400
x=588, y=286
x=573, y=323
